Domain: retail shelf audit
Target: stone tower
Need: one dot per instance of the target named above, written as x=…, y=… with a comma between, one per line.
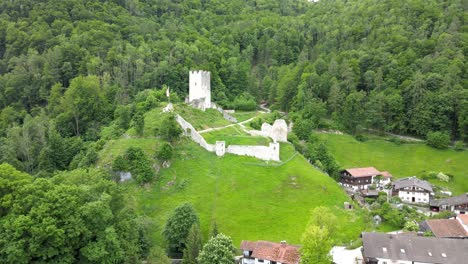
x=200, y=89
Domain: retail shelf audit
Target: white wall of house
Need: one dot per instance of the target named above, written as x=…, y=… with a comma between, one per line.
x=389, y=261
x=248, y=261
x=407, y=195
x=263, y=261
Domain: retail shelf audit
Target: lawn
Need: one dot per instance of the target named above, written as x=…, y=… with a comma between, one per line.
x=201, y=120
x=247, y=198
x=234, y=135
x=245, y=115
x=401, y=160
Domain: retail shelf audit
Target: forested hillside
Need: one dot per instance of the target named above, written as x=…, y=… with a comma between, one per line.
x=75, y=74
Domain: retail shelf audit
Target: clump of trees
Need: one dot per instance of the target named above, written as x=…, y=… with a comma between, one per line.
x=178, y=227
x=317, y=240
x=218, y=250
x=74, y=216
x=135, y=161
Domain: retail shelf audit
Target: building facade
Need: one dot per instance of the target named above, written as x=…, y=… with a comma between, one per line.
x=359, y=178
x=412, y=190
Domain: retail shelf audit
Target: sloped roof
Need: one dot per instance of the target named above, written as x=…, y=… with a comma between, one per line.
x=414, y=248
x=412, y=181
x=446, y=228
x=287, y=254
x=363, y=172
x=456, y=200
x=386, y=174
x=463, y=218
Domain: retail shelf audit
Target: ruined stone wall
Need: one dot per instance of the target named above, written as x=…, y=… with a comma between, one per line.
x=261, y=152
x=270, y=152
x=226, y=115
x=189, y=130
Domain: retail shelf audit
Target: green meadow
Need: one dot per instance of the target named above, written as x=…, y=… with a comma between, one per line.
x=401, y=160
x=246, y=197
x=234, y=135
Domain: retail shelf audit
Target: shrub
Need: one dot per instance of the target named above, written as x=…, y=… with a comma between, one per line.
x=361, y=137
x=459, y=146
x=442, y=177
x=169, y=129
x=165, y=151
x=438, y=140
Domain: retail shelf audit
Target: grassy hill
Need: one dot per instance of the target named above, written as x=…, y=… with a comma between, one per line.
x=248, y=198
x=402, y=160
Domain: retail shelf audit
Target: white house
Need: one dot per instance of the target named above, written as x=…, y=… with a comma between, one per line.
x=412, y=190
x=381, y=248
x=200, y=89
x=266, y=252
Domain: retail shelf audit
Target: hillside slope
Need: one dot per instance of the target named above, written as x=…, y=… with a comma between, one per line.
x=401, y=160
x=247, y=198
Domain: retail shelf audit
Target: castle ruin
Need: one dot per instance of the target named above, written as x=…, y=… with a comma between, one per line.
x=200, y=89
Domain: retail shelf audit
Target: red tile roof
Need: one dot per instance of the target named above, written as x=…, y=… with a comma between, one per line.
x=266, y=250
x=447, y=228
x=386, y=174
x=363, y=172
x=464, y=218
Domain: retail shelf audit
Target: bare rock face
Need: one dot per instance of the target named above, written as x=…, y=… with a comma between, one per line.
x=279, y=131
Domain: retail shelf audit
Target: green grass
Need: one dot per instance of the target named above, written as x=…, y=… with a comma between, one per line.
x=401, y=160
x=234, y=135
x=201, y=120
x=242, y=115
x=246, y=197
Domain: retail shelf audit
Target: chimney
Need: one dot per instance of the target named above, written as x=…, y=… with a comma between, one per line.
x=283, y=243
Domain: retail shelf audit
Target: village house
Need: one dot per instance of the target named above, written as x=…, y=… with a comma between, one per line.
x=444, y=228
x=457, y=204
x=266, y=252
x=412, y=190
x=381, y=248
x=362, y=178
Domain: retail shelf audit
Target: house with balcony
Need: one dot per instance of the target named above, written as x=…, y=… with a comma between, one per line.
x=361, y=178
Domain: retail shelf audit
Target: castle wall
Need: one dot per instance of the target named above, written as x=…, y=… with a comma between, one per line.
x=189, y=130
x=261, y=152
x=270, y=152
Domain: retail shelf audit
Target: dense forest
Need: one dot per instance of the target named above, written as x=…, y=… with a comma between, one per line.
x=75, y=73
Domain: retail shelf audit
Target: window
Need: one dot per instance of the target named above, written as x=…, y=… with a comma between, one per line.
x=260, y=260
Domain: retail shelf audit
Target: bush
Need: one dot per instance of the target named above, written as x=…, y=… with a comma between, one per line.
x=165, y=151
x=361, y=138
x=438, y=140
x=169, y=129
x=136, y=162
x=442, y=177
x=459, y=146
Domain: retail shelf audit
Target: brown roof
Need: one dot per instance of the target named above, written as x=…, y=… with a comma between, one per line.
x=248, y=245
x=464, y=218
x=363, y=172
x=266, y=250
x=447, y=228
x=386, y=174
